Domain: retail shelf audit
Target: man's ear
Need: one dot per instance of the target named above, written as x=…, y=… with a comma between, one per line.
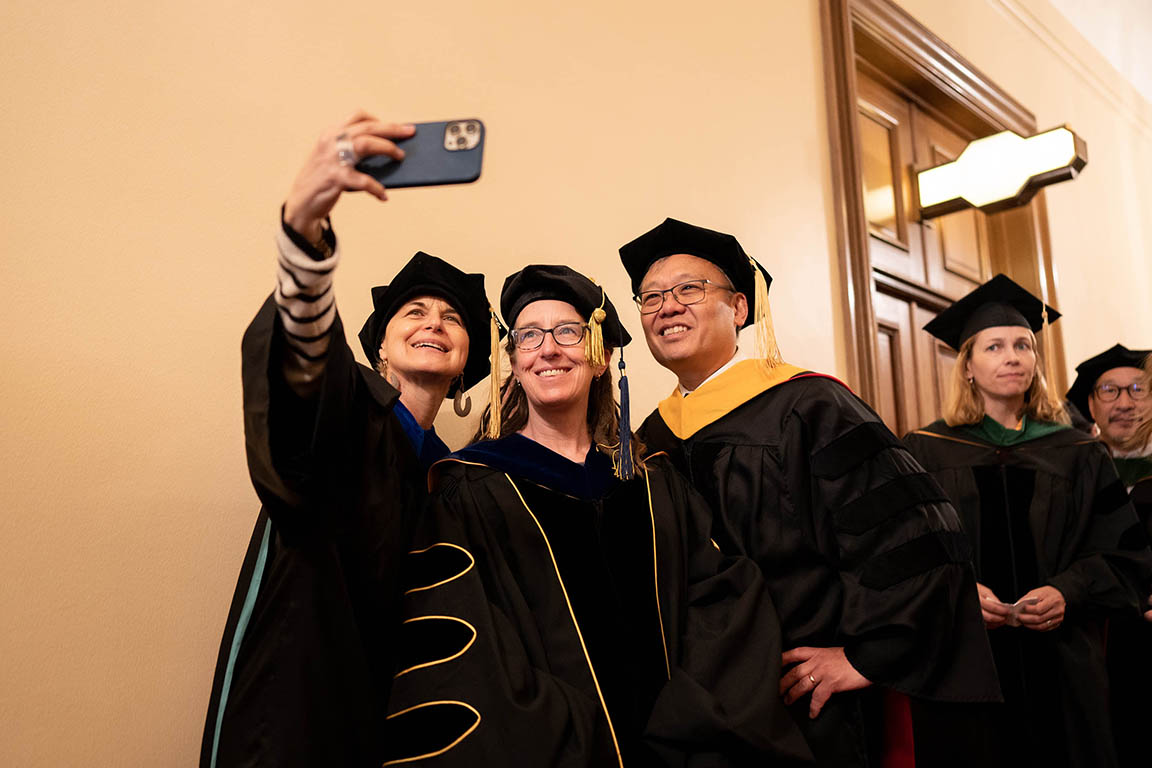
x=740, y=309
x=1092, y=408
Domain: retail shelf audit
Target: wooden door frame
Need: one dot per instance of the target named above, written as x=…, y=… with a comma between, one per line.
x=886, y=36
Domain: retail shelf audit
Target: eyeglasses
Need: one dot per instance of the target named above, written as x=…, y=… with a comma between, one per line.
x=686, y=293
x=565, y=334
x=1106, y=393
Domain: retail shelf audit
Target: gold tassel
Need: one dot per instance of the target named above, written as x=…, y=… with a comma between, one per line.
x=594, y=347
x=494, y=405
x=766, y=347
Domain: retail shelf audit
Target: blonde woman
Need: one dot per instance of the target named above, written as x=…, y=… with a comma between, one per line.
x=1055, y=541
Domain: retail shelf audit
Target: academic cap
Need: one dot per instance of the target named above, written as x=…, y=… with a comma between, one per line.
x=426, y=275
x=1090, y=371
x=997, y=302
x=537, y=282
x=674, y=237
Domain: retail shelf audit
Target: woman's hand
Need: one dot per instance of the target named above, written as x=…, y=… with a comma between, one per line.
x=324, y=177
x=992, y=608
x=821, y=672
x=1048, y=612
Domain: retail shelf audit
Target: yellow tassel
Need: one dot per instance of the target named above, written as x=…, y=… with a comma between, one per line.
x=594, y=346
x=766, y=347
x=494, y=405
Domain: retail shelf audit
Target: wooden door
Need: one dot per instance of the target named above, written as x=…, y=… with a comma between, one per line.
x=917, y=267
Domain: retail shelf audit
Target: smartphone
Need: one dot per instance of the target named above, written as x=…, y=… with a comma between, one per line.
x=448, y=152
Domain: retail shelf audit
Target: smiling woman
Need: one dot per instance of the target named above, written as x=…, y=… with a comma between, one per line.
x=338, y=455
x=1056, y=543
x=424, y=342
x=606, y=626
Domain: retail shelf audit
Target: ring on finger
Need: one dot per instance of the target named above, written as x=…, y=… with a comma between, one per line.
x=345, y=153
x=812, y=679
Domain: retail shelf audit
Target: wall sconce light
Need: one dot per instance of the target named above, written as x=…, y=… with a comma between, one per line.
x=1001, y=171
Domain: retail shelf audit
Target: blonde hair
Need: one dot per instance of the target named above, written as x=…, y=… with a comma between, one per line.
x=1143, y=434
x=966, y=404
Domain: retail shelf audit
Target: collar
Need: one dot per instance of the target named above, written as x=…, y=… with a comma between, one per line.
x=427, y=444
x=1134, y=453
x=523, y=457
x=736, y=358
x=725, y=390
x=991, y=431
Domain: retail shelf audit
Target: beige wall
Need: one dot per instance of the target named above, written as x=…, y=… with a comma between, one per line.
x=145, y=151
x=1101, y=223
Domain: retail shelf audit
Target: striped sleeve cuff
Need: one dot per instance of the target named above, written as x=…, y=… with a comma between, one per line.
x=305, y=301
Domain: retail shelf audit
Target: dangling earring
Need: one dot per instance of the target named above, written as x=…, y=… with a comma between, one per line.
x=461, y=403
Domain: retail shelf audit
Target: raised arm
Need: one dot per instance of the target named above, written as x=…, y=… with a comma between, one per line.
x=300, y=377
x=307, y=244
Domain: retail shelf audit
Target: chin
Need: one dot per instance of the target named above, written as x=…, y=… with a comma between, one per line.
x=672, y=353
x=1119, y=434
x=554, y=400
x=444, y=371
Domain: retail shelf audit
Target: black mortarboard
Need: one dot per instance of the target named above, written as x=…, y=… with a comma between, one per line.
x=555, y=281
x=997, y=302
x=674, y=237
x=1090, y=371
x=426, y=275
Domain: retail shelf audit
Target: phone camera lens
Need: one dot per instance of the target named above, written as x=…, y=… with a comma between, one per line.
x=461, y=141
x=471, y=128
x=454, y=129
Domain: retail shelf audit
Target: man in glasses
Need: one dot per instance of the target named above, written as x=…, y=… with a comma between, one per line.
x=861, y=550
x=1111, y=389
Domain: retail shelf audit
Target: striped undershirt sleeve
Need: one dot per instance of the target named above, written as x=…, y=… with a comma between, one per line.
x=306, y=304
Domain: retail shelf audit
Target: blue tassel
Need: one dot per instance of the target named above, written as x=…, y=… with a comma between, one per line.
x=624, y=468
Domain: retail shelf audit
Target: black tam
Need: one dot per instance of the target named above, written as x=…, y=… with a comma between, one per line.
x=426, y=275
x=540, y=282
x=1090, y=371
x=674, y=237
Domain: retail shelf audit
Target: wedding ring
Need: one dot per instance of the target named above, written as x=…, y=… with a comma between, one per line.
x=344, y=151
x=812, y=679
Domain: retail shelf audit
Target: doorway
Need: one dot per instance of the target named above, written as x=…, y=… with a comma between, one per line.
x=901, y=100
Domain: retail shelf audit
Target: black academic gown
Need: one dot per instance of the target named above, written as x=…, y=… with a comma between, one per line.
x=1129, y=651
x=315, y=608
x=859, y=546
x=1048, y=511
x=557, y=617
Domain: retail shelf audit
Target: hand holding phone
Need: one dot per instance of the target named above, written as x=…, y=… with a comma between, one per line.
x=326, y=174
x=446, y=152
